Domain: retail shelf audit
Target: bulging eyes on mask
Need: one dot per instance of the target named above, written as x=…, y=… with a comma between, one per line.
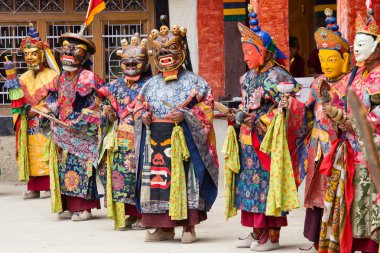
x=253, y=56
x=364, y=46
x=170, y=56
x=73, y=55
x=333, y=63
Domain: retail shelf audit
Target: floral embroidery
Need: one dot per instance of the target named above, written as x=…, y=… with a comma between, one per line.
x=117, y=181
x=71, y=180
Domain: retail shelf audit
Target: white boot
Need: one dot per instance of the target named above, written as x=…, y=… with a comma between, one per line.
x=262, y=247
x=245, y=242
x=159, y=235
x=31, y=195
x=188, y=237
x=64, y=215
x=44, y=194
x=310, y=249
x=81, y=216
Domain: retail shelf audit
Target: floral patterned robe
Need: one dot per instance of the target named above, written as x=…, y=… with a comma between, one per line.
x=77, y=104
x=365, y=218
x=123, y=99
x=323, y=132
x=192, y=95
x=252, y=182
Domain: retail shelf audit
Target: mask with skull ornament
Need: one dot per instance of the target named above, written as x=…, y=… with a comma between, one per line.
x=134, y=58
x=169, y=50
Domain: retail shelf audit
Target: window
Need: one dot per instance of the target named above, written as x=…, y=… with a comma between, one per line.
x=38, y=6
x=10, y=40
x=113, y=5
x=113, y=34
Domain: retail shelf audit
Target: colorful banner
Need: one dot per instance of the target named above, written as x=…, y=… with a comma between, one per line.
x=234, y=10
x=94, y=7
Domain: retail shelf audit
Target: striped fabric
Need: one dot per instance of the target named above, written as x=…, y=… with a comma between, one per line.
x=234, y=10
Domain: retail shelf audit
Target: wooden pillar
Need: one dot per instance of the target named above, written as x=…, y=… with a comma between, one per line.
x=234, y=11
x=273, y=16
x=97, y=27
x=211, y=43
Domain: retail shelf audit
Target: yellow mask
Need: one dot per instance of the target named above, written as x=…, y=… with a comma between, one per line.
x=33, y=58
x=332, y=63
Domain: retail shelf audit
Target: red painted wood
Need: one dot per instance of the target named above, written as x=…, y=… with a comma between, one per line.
x=210, y=27
x=273, y=16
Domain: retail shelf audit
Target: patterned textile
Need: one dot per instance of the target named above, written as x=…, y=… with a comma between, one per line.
x=253, y=180
x=121, y=167
x=178, y=195
x=115, y=210
x=36, y=143
x=34, y=89
x=73, y=177
x=122, y=96
x=123, y=99
x=365, y=210
x=323, y=132
x=22, y=154
x=282, y=195
x=365, y=215
x=263, y=85
x=192, y=95
x=335, y=210
x=179, y=93
x=78, y=105
x=158, y=181
x=231, y=168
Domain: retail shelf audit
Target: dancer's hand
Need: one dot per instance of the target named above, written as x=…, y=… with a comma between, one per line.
x=176, y=116
x=147, y=118
x=346, y=125
x=231, y=115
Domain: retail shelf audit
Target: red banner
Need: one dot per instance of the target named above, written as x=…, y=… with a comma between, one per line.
x=95, y=6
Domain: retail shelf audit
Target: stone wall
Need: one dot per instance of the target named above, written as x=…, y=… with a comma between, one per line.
x=8, y=165
x=184, y=13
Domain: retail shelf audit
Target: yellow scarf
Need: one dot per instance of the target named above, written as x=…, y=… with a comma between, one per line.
x=50, y=156
x=282, y=194
x=115, y=210
x=22, y=151
x=178, y=189
x=231, y=168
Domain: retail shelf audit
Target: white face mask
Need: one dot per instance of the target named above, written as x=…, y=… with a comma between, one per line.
x=364, y=46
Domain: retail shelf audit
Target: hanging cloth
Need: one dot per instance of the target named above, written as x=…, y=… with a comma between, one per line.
x=22, y=152
x=115, y=210
x=282, y=194
x=50, y=156
x=178, y=190
x=231, y=168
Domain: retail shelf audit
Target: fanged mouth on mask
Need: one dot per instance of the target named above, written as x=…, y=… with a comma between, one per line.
x=134, y=57
x=73, y=55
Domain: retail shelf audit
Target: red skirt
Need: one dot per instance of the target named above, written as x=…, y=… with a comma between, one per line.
x=41, y=183
x=365, y=245
x=259, y=220
x=131, y=210
x=76, y=204
x=162, y=220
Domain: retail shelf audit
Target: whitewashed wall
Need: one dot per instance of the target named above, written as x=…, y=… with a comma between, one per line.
x=184, y=13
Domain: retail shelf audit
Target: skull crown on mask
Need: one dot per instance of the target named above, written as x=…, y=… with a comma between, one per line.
x=168, y=47
x=134, y=57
